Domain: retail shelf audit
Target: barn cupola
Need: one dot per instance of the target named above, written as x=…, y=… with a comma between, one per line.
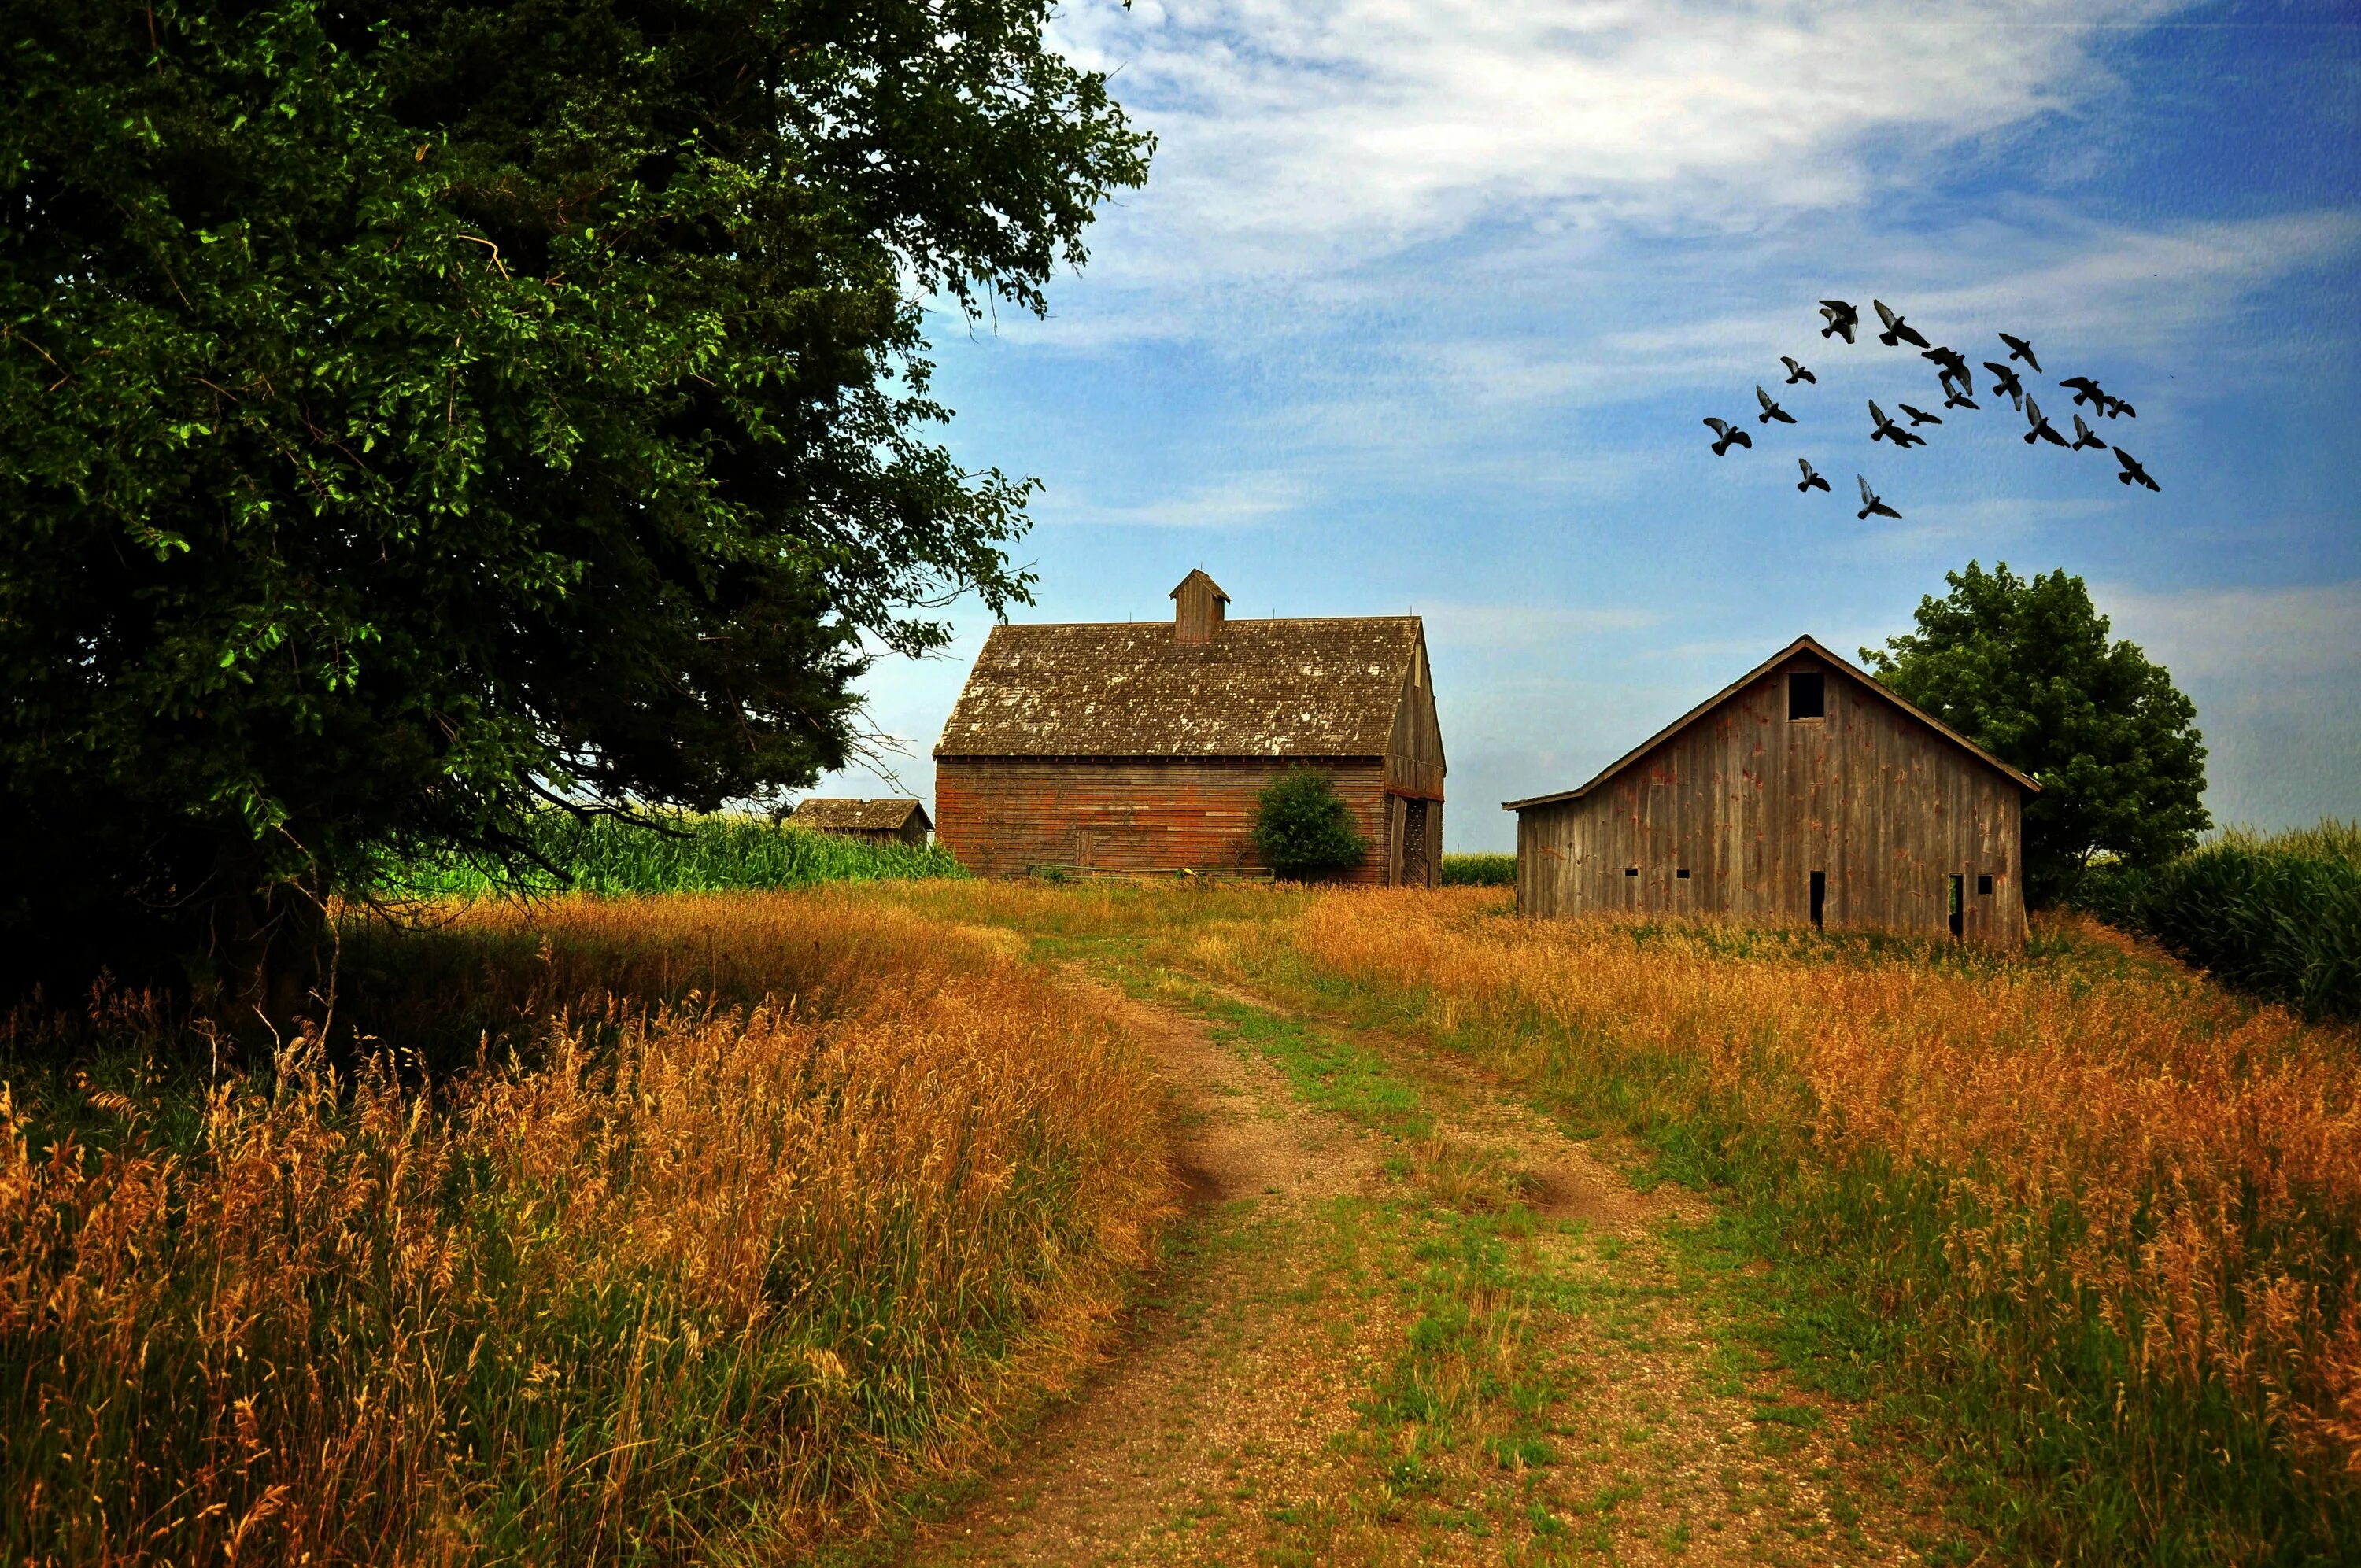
x=1197, y=608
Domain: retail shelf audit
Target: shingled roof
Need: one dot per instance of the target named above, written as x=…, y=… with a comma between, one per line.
x=837, y=815
x=1259, y=688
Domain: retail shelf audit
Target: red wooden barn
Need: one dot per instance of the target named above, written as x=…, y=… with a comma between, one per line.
x=1139, y=748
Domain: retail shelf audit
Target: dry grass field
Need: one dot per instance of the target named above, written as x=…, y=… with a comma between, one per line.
x=718, y=1227
x=2108, y=1215
x=778, y=1205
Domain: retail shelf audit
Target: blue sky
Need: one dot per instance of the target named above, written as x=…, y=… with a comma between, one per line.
x=1425, y=298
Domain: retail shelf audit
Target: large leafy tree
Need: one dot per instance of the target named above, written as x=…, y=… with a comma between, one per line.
x=2027, y=670
x=412, y=412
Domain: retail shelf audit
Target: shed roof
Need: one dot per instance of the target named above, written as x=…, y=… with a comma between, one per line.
x=1323, y=687
x=840, y=815
x=1813, y=646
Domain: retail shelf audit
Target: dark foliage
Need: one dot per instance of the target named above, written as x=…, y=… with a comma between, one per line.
x=1303, y=827
x=413, y=412
x=2024, y=667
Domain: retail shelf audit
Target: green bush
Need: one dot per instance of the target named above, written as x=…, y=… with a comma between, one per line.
x=1480, y=871
x=680, y=852
x=2279, y=917
x=1303, y=827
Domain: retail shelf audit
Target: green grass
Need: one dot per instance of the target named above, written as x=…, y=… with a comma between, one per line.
x=677, y=852
x=1480, y=871
x=2276, y=915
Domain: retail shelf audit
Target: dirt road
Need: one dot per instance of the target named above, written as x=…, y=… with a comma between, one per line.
x=1410, y=1320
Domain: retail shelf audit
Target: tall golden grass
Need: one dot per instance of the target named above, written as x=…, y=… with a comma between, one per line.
x=706, y=1273
x=2118, y=1211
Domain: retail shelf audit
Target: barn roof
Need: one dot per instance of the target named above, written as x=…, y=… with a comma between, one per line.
x=836, y=815
x=1813, y=646
x=1261, y=688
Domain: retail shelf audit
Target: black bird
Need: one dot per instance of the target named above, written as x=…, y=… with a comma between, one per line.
x=2086, y=391
x=1770, y=410
x=1811, y=479
x=1870, y=503
x=1730, y=436
x=1797, y=372
x=1898, y=331
x=2042, y=429
x=2085, y=436
x=1954, y=368
x=1957, y=400
x=2018, y=348
x=2004, y=380
x=1919, y=416
x=2133, y=472
x=1842, y=318
x=2113, y=406
x=1888, y=431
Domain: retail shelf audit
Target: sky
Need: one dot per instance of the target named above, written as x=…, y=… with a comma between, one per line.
x=1424, y=299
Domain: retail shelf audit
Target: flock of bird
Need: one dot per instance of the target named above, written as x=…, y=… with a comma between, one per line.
x=1956, y=381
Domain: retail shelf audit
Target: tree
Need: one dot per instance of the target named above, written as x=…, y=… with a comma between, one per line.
x=2025, y=670
x=415, y=414
x=1302, y=827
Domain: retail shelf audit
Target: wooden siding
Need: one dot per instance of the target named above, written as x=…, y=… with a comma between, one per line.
x=1750, y=803
x=1004, y=816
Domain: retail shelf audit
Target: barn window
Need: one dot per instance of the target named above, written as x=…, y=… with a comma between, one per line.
x=1819, y=898
x=1808, y=695
x=1683, y=873
x=1631, y=871
x=1983, y=883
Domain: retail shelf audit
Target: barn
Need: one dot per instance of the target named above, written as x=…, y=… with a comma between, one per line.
x=1804, y=793
x=878, y=821
x=1131, y=749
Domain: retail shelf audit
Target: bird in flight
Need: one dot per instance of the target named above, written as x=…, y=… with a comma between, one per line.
x=1871, y=504
x=2133, y=472
x=1811, y=479
x=2113, y=406
x=2018, y=348
x=1797, y=372
x=2086, y=391
x=1952, y=400
x=2085, y=436
x=1898, y=331
x=1888, y=431
x=1919, y=416
x=1953, y=367
x=1842, y=318
x=1730, y=436
x=2042, y=429
x=2004, y=381
x=1770, y=410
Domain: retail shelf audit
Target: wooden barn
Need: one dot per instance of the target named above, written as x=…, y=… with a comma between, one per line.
x=1805, y=792
x=879, y=821
x=1139, y=748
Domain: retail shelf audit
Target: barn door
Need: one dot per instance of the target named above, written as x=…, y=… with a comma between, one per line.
x=1417, y=869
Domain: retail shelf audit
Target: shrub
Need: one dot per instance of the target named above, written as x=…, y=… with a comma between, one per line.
x=1304, y=828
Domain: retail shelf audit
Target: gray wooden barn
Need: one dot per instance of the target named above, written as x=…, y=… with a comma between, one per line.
x=1803, y=793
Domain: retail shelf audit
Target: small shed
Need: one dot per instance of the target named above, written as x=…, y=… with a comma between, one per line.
x=879, y=821
x=1803, y=793
x=1118, y=748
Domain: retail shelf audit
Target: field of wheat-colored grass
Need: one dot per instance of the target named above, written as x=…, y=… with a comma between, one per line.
x=778, y=1205
x=2111, y=1213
